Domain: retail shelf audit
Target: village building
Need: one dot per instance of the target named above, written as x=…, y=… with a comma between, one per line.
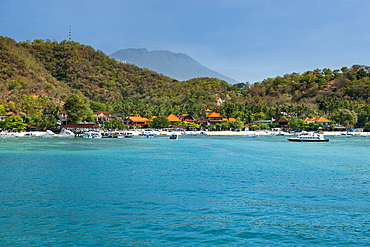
x=263, y=121
x=322, y=120
x=213, y=118
x=8, y=114
x=206, y=112
x=231, y=119
x=282, y=123
x=173, y=119
x=63, y=118
x=187, y=118
x=137, y=120
x=102, y=116
x=5, y=116
x=117, y=116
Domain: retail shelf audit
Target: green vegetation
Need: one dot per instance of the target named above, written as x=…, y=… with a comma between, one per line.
x=13, y=123
x=159, y=122
x=78, y=109
x=46, y=76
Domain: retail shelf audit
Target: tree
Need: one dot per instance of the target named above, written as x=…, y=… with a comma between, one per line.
x=345, y=117
x=190, y=125
x=159, y=122
x=78, y=109
x=116, y=124
x=297, y=124
x=44, y=122
x=238, y=125
x=11, y=105
x=2, y=110
x=14, y=123
x=225, y=125
x=367, y=126
x=264, y=126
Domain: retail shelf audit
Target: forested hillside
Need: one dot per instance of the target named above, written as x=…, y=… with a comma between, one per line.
x=41, y=75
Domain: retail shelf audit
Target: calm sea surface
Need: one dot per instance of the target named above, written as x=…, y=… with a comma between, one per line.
x=194, y=191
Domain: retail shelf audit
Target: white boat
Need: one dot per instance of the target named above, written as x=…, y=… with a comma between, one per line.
x=251, y=135
x=65, y=133
x=343, y=135
x=308, y=137
x=148, y=134
x=92, y=134
x=280, y=133
x=128, y=134
x=48, y=133
x=174, y=136
x=34, y=134
x=8, y=134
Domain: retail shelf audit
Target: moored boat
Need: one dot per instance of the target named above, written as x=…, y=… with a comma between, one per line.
x=343, y=135
x=128, y=134
x=174, y=136
x=92, y=134
x=65, y=133
x=8, y=134
x=307, y=137
x=251, y=135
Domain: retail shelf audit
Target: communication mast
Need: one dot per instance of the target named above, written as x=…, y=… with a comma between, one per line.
x=70, y=34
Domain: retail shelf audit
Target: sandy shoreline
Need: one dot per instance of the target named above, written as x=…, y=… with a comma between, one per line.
x=244, y=133
x=328, y=133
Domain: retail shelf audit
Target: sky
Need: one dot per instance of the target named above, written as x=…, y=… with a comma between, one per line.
x=247, y=40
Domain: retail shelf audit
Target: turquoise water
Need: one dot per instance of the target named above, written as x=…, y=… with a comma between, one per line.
x=194, y=191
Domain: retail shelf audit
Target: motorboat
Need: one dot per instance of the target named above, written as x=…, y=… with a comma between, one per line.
x=92, y=134
x=251, y=135
x=308, y=137
x=65, y=133
x=343, y=135
x=280, y=133
x=128, y=134
x=8, y=134
x=148, y=134
x=48, y=133
x=174, y=136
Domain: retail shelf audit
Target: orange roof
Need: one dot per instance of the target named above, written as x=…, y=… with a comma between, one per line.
x=173, y=118
x=232, y=119
x=321, y=120
x=213, y=114
x=207, y=110
x=103, y=112
x=138, y=119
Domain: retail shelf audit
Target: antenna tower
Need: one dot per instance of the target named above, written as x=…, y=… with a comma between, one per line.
x=70, y=34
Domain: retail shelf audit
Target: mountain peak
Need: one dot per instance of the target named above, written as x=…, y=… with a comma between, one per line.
x=176, y=65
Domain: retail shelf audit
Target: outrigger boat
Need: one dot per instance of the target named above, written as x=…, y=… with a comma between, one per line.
x=307, y=137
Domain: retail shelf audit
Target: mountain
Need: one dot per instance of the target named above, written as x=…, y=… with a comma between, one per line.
x=176, y=65
x=42, y=75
